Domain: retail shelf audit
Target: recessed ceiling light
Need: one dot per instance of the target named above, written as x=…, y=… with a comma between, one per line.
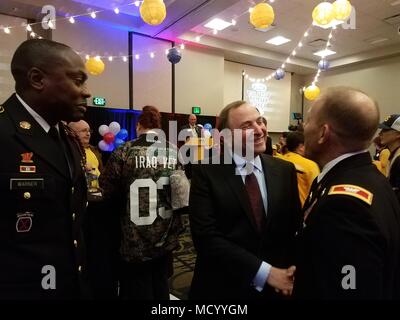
x=218, y=24
x=324, y=53
x=329, y=25
x=277, y=41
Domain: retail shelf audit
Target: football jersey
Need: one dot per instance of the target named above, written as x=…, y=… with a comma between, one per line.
x=137, y=179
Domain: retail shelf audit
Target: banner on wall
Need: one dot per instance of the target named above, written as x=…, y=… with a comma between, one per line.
x=272, y=99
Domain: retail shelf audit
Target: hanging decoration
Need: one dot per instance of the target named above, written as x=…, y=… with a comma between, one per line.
x=342, y=9
x=95, y=66
x=153, y=12
x=323, y=13
x=262, y=16
x=279, y=74
x=323, y=64
x=312, y=92
x=174, y=55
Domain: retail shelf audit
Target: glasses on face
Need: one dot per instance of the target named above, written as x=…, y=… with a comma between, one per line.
x=86, y=131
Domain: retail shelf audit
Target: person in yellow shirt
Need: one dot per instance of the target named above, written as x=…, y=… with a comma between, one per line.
x=94, y=164
x=307, y=170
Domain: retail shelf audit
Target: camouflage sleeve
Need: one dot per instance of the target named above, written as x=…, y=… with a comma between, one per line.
x=110, y=179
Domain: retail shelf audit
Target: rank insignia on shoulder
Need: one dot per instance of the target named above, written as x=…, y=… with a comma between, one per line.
x=353, y=191
x=25, y=125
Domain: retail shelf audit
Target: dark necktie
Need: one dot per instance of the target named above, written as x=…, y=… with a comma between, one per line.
x=255, y=197
x=55, y=135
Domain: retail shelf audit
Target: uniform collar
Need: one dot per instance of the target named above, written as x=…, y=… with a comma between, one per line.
x=39, y=119
x=335, y=161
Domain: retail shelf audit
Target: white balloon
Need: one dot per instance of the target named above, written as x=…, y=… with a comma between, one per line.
x=114, y=127
x=103, y=146
x=103, y=129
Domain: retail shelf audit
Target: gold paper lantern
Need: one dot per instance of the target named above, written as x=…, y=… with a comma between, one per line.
x=312, y=92
x=153, y=11
x=342, y=9
x=323, y=13
x=262, y=16
x=95, y=66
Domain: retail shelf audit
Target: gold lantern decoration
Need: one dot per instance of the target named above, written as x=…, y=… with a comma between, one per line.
x=312, y=92
x=342, y=9
x=95, y=66
x=153, y=12
x=323, y=13
x=262, y=16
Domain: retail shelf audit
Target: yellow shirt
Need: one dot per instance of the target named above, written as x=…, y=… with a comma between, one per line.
x=92, y=160
x=307, y=171
x=382, y=163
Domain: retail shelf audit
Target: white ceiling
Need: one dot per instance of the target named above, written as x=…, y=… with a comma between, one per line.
x=242, y=43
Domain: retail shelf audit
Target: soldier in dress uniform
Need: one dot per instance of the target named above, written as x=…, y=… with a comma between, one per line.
x=349, y=247
x=42, y=185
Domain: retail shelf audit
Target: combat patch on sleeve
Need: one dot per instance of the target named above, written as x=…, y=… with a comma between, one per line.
x=353, y=191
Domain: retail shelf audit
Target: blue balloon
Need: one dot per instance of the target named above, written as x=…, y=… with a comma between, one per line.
x=323, y=64
x=122, y=134
x=118, y=142
x=174, y=55
x=279, y=74
x=207, y=126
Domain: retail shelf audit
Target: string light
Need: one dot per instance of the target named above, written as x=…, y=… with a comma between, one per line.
x=7, y=30
x=116, y=10
x=71, y=20
x=152, y=55
x=28, y=28
x=93, y=15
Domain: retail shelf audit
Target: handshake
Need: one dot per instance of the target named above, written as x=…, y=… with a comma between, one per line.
x=282, y=280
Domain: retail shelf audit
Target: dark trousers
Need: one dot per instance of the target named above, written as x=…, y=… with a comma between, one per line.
x=146, y=280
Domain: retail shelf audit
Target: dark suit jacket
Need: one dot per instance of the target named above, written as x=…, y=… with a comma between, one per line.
x=198, y=129
x=229, y=249
x=344, y=230
x=41, y=211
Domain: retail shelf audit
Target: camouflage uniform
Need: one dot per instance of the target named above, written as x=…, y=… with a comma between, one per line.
x=136, y=180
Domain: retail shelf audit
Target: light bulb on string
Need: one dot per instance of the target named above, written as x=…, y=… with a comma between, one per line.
x=28, y=28
x=93, y=15
x=116, y=10
x=71, y=20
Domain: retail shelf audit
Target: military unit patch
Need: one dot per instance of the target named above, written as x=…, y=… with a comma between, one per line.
x=24, y=222
x=353, y=191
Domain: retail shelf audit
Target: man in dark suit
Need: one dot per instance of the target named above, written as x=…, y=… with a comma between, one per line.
x=349, y=246
x=43, y=186
x=243, y=214
x=192, y=125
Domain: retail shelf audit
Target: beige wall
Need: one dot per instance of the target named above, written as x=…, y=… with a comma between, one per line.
x=380, y=79
x=97, y=39
x=152, y=77
x=8, y=44
x=199, y=81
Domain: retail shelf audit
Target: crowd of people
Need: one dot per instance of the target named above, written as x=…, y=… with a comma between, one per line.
x=313, y=217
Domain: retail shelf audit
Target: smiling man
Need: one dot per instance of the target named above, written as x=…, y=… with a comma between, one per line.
x=244, y=215
x=43, y=187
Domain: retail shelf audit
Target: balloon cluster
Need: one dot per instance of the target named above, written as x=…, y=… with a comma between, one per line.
x=113, y=136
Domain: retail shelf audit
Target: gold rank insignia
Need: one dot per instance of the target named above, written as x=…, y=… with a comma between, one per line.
x=1, y=109
x=353, y=191
x=25, y=125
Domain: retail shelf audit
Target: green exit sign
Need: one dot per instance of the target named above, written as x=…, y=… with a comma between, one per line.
x=99, y=101
x=196, y=110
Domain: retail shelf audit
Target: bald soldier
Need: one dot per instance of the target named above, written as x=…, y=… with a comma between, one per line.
x=42, y=185
x=349, y=246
